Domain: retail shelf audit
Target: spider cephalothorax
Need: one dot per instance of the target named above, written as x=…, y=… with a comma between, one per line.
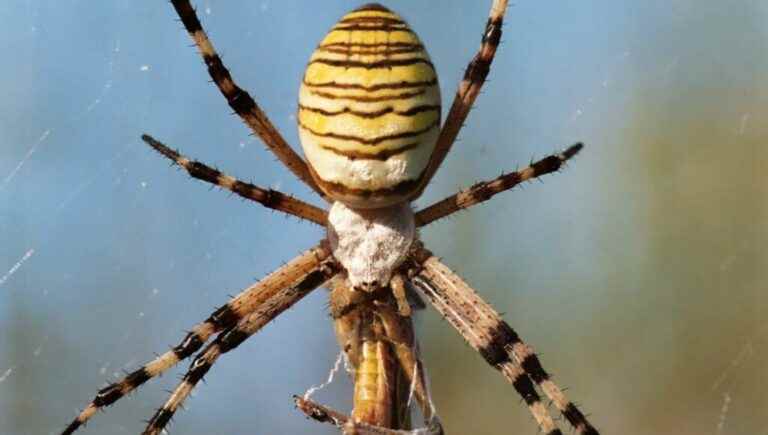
x=369, y=122
x=370, y=243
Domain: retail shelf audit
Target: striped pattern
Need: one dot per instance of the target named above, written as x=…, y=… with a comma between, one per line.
x=485, y=190
x=267, y=197
x=233, y=337
x=375, y=385
x=238, y=99
x=249, y=300
x=369, y=109
x=483, y=328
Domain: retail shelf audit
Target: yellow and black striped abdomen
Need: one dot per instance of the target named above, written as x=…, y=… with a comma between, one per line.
x=369, y=109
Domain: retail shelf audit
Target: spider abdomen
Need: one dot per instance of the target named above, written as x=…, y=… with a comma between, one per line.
x=369, y=109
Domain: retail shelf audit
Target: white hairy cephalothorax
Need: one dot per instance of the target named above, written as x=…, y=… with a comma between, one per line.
x=370, y=243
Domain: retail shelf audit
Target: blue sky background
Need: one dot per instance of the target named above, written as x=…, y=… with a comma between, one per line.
x=639, y=273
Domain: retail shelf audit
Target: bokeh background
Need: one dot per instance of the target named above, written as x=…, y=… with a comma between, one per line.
x=639, y=273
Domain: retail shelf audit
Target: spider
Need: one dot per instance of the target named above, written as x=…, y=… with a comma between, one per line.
x=369, y=123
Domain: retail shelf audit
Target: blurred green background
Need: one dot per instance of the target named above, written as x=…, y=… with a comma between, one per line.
x=638, y=273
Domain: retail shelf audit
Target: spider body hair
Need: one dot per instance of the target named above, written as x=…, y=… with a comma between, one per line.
x=370, y=243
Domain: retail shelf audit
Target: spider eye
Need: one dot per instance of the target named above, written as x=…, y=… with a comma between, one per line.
x=369, y=109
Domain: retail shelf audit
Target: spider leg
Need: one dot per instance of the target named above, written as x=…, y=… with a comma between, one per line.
x=324, y=414
x=232, y=337
x=469, y=88
x=483, y=328
x=485, y=190
x=255, y=297
x=267, y=197
x=239, y=100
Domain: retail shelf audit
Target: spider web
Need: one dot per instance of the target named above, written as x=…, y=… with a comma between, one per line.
x=638, y=273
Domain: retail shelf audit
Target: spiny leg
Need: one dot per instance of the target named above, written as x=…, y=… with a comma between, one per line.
x=495, y=340
x=234, y=336
x=469, y=88
x=238, y=99
x=225, y=317
x=485, y=190
x=267, y=197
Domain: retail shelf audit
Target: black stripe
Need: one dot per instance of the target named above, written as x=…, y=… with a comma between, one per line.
x=492, y=34
x=138, y=377
x=478, y=69
x=572, y=150
x=369, y=51
x=506, y=337
x=375, y=140
x=198, y=369
x=387, y=63
x=493, y=354
x=526, y=390
x=576, y=418
x=381, y=155
x=266, y=197
x=346, y=110
x=373, y=44
x=398, y=189
x=546, y=165
x=108, y=395
x=369, y=99
x=72, y=427
x=238, y=99
x=532, y=366
x=188, y=346
x=316, y=278
x=372, y=7
x=224, y=317
x=160, y=420
x=111, y=393
x=502, y=336
x=373, y=88
x=555, y=432
x=372, y=28
x=231, y=339
x=187, y=15
x=204, y=172
x=374, y=19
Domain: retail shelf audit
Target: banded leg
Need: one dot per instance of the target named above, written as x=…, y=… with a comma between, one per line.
x=485, y=190
x=239, y=100
x=483, y=328
x=469, y=88
x=234, y=336
x=225, y=317
x=267, y=197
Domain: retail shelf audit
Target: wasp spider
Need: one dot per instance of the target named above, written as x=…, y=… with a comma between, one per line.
x=369, y=122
